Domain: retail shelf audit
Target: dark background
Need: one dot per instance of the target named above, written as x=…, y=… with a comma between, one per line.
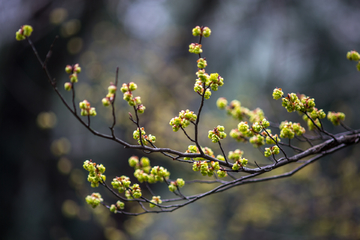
x=255, y=45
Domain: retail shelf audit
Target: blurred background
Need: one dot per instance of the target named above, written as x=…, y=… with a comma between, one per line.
x=255, y=46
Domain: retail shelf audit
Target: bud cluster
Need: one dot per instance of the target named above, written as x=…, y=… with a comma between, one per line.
x=183, y=120
x=206, y=81
x=145, y=138
x=354, y=56
x=217, y=133
x=201, y=31
x=95, y=173
x=94, y=199
x=277, y=93
x=179, y=183
x=118, y=206
x=289, y=129
x=274, y=150
x=133, y=192
x=106, y=101
x=193, y=149
x=240, y=113
x=195, y=48
x=121, y=183
x=24, y=32
x=73, y=72
x=242, y=162
x=336, y=117
x=127, y=89
x=301, y=103
x=206, y=168
x=86, y=109
x=155, y=200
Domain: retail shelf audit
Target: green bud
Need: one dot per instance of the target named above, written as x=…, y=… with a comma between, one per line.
x=92, y=112
x=112, y=89
x=141, y=108
x=77, y=68
x=73, y=78
x=132, y=86
x=68, y=86
x=113, y=208
x=201, y=63
x=106, y=102
x=68, y=69
x=206, y=32
x=180, y=182
x=221, y=103
x=196, y=31
x=27, y=30
x=277, y=93
x=353, y=56
x=120, y=205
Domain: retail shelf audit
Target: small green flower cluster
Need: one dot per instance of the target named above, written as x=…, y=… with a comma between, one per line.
x=121, y=183
x=289, y=129
x=195, y=48
x=24, y=32
x=213, y=81
x=207, y=168
x=336, y=117
x=194, y=149
x=155, y=200
x=127, y=89
x=221, y=103
x=179, y=183
x=94, y=199
x=145, y=138
x=294, y=102
x=116, y=207
x=256, y=133
x=316, y=115
x=238, y=112
x=73, y=71
x=143, y=164
x=236, y=156
x=217, y=133
x=95, y=172
x=183, y=120
x=201, y=31
x=277, y=93
x=106, y=101
x=354, y=56
x=274, y=150
x=144, y=172
x=157, y=174
x=133, y=192
x=86, y=109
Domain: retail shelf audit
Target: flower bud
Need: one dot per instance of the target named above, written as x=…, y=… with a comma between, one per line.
x=206, y=32
x=141, y=108
x=201, y=63
x=68, y=86
x=196, y=31
x=92, y=112
x=105, y=102
x=77, y=68
x=132, y=86
x=353, y=56
x=68, y=69
x=73, y=77
x=112, y=89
